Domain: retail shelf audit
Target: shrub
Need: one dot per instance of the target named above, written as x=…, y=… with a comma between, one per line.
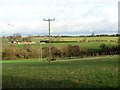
x=10, y=53
x=31, y=51
x=35, y=52
x=45, y=51
x=19, y=53
x=55, y=52
x=69, y=50
x=105, y=49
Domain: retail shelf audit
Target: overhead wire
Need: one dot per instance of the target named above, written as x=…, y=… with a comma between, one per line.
x=57, y=12
x=48, y=10
x=56, y=7
x=65, y=6
x=51, y=8
x=46, y=13
x=52, y=12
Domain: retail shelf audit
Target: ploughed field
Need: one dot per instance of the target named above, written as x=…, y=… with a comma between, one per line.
x=89, y=72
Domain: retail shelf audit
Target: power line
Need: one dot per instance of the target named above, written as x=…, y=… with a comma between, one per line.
x=64, y=6
x=52, y=13
x=49, y=37
x=54, y=10
x=48, y=9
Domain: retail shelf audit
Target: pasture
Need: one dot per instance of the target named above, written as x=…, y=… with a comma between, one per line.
x=97, y=72
x=73, y=41
x=37, y=39
x=83, y=45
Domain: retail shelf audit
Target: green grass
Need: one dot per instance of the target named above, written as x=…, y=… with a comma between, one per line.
x=37, y=39
x=23, y=60
x=83, y=73
x=83, y=45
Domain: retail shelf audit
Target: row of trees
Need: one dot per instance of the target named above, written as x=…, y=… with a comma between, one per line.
x=12, y=52
x=17, y=37
x=65, y=51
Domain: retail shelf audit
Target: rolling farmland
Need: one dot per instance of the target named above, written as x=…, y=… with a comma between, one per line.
x=73, y=41
x=86, y=72
x=82, y=73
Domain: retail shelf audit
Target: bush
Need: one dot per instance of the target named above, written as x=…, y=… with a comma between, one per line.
x=19, y=53
x=104, y=49
x=35, y=52
x=55, y=52
x=92, y=52
x=9, y=53
x=69, y=50
x=45, y=51
x=31, y=51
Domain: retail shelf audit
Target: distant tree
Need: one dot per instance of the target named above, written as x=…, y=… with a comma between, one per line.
x=45, y=53
x=65, y=51
x=27, y=39
x=55, y=52
x=20, y=53
x=117, y=35
x=69, y=50
x=92, y=52
x=35, y=53
x=10, y=39
x=113, y=49
x=105, y=49
x=28, y=50
x=16, y=37
x=27, y=47
x=76, y=50
x=31, y=51
x=10, y=53
x=82, y=53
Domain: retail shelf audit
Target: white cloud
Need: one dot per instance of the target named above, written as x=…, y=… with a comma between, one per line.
x=26, y=16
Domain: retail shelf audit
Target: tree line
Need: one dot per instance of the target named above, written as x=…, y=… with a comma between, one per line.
x=12, y=52
x=18, y=38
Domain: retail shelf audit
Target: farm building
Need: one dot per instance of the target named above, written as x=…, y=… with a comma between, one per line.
x=24, y=42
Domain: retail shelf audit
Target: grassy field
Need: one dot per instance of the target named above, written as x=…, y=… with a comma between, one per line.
x=91, y=72
x=37, y=39
x=83, y=45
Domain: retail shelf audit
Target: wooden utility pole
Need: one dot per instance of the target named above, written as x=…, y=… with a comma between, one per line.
x=49, y=37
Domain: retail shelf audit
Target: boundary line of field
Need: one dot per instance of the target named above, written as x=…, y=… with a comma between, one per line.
x=38, y=60
x=88, y=58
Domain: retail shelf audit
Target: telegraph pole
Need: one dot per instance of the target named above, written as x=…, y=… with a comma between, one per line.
x=49, y=37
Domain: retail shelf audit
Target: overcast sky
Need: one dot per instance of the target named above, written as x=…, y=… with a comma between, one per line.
x=73, y=17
